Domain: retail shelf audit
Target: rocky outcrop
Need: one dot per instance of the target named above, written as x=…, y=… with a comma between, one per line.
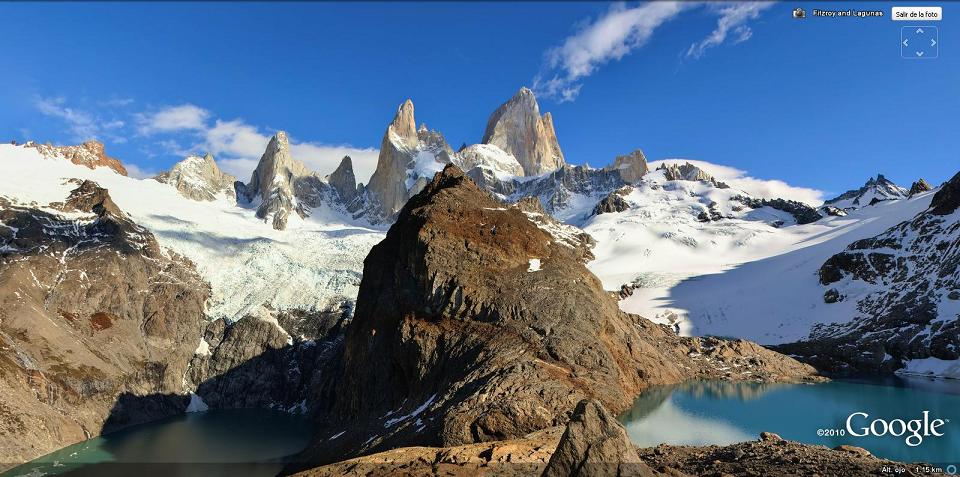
x=900, y=281
x=92, y=310
x=517, y=128
x=614, y=202
x=90, y=154
x=875, y=190
x=919, y=186
x=632, y=167
x=689, y=172
x=474, y=324
x=594, y=443
x=834, y=211
x=199, y=178
x=803, y=213
x=947, y=199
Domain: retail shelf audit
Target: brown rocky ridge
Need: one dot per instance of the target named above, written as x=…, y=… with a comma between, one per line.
x=90, y=154
x=91, y=311
x=475, y=323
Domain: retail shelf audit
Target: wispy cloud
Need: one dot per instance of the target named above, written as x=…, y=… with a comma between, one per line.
x=733, y=19
x=82, y=125
x=612, y=36
x=173, y=118
x=624, y=29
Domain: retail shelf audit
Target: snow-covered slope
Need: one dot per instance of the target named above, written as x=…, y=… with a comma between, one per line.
x=739, y=277
x=314, y=264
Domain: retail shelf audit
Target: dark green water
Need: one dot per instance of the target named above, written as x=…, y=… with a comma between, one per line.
x=708, y=412
x=214, y=443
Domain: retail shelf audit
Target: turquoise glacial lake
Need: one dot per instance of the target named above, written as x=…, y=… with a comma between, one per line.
x=711, y=412
x=236, y=443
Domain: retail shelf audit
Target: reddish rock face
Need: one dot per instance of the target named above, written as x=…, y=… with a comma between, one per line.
x=90, y=154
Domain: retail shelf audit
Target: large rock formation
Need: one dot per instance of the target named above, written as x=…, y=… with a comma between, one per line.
x=273, y=183
x=408, y=159
x=476, y=323
x=199, y=178
x=901, y=282
x=285, y=186
x=89, y=154
x=343, y=181
x=92, y=310
x=517, y=128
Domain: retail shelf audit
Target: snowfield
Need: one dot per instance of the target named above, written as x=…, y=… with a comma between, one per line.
x=314, y=264
x=741, y=276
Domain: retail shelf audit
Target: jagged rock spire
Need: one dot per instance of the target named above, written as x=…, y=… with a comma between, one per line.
x=343, y=180
x=517, y=128
x=273, y=179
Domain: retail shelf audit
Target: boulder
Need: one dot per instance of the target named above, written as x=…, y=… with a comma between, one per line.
x=594, y=443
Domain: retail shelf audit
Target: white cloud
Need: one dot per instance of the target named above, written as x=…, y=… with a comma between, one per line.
x=82, y=125
x=613, y=35
x=325, y=158
x=763, y=188
x=173, y=118
x=135, y=171
x=622, y=30
x=733, y=18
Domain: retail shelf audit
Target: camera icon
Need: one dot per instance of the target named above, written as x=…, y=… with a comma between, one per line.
x=799, y=13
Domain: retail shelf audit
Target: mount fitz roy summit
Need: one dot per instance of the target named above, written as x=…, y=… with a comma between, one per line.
x=261, y=281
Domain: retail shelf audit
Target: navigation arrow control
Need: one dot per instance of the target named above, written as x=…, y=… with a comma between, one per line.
x=918, y=42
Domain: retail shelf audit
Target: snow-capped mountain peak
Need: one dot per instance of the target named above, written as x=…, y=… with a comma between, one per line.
x=199, y=178
x=876, y=189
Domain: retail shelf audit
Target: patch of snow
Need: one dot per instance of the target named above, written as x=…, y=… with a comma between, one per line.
x=203, y=349
x=534, y=265
x=416, y=412
x=932, y=367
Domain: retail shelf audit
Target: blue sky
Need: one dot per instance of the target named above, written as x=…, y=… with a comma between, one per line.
x=819, y=103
